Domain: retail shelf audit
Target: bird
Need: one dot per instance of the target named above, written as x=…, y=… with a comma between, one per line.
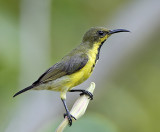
x=74, y=68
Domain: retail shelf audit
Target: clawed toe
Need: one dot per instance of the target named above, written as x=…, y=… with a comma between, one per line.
x=87, y=93
x=69, y=116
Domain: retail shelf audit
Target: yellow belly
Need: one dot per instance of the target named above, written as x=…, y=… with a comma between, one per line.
x=80, y=76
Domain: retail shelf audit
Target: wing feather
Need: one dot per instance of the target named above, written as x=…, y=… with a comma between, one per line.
x=67, y=66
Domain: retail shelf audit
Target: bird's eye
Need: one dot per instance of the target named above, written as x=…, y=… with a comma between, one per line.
x=101, y=33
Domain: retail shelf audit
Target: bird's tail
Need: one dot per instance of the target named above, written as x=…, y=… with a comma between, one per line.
x=23, y=90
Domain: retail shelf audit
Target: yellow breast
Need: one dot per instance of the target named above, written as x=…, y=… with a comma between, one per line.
x=84, y=73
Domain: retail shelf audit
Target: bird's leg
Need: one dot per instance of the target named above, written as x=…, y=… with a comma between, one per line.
x=69, y=116
x=83, y=92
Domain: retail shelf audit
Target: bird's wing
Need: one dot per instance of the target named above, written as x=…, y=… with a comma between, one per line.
x=67, y=66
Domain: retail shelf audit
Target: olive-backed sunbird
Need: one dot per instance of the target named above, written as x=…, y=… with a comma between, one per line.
x=75, y=67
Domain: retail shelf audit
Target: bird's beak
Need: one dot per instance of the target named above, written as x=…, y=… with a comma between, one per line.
x=117, y=31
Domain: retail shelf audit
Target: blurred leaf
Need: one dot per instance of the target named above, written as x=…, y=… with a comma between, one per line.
x=92, y=122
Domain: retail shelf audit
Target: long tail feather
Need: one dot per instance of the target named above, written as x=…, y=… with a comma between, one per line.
x=24, y=90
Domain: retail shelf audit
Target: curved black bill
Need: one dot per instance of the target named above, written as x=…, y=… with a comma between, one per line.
x=117, y=31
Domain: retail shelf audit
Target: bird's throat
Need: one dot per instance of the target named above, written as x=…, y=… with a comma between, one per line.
x=94, y=53
x=98, y=50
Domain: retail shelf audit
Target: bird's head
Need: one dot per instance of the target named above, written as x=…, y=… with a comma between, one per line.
x=99, y=34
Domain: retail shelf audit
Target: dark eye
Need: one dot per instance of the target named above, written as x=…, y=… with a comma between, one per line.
x=101, y=33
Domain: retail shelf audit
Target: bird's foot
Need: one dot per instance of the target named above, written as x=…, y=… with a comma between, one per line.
x=69, y=116
x=87, y=93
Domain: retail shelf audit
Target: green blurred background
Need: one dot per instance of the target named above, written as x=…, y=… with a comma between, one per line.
x=34, y=34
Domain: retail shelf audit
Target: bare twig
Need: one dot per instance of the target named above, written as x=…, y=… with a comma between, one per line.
x=78, y=108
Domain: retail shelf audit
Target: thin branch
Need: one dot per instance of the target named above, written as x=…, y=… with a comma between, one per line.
x=78, y=108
